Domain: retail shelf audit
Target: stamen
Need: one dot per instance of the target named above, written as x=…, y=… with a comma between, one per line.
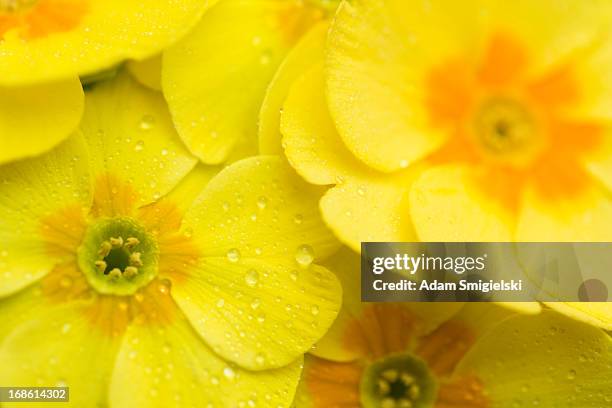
x=115, y=273
x=135, y=259
x=130, y=272
x=101, y=266
x=105, y=248
x=116, y=242
x=131, y=242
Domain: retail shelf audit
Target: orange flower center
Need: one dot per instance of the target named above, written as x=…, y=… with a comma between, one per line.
x=120, y=258
x=514, y=128
x=32, y=19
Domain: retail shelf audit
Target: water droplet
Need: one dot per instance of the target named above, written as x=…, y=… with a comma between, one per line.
x=255, y=303
x=251, y=278
x=262, y=202
x=298, y=219
x=571, y=375
x=304, y=256
x=147, y=122
x=314, y=310
x=233, y=255
x=229, y=373
x=220, y=303
x=139, y=146
x=260, y=359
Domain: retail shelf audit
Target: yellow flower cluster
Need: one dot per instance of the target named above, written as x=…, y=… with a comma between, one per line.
x=185, y=184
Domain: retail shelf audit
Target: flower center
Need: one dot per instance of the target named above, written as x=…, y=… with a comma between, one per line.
x=398, y=381
x=12, y=6
x=118, y=256
x=506, y=130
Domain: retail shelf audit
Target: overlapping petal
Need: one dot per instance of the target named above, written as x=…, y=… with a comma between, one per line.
x=57, y=108
x=215, y=79
x=56, y=39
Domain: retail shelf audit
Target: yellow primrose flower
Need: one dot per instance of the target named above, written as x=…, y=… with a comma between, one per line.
x=139, y=280
x=471, y=121
x=215, y=79
x=415, y=355
x=46, y=44
x=47, y=40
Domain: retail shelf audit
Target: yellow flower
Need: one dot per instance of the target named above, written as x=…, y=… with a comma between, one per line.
x=452, y=356
x=471, y=121
x=215, y=79
x=47, y=40
x=137, y=279
x=45, y=45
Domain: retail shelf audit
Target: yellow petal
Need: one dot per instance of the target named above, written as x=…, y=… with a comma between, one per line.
x=369, y=209
x=35, y=118
x=170, y=366
x=34, y=193
x=599, y=164
x=338, y=344
x=50, y=344
x=258, y=313
x=445, y=207
x=311, y=142
x=546, y=360
x=215, y=79
x=584, y=218
x=260, y=208
x=237, y=222
x=131, y=138
x=594, y=313
x=308, y=51
x=57, y=39
x=147, y=72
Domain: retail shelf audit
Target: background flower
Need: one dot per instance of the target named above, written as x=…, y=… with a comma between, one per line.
x=487, y=129
x=446, y=355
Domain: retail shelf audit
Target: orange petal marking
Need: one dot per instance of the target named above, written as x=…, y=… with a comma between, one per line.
x=455, y=91
x=333, y=384
x=113, y=197
x=504, y=62
x=109, y=314
x=445, y=347
x=381, y=329
x=44, y=18
x=63, y=230
x=466, y=392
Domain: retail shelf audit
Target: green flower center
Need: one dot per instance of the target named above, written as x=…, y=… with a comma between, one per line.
x=13, y=6
x=505, y=129
x=118, y=256
x=398, y=381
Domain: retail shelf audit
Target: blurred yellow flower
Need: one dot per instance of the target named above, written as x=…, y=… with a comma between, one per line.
x=137, y=279
x=47, y=40
x=215, y=79
x=45, y=45
x=416, y=355
x=471, y=121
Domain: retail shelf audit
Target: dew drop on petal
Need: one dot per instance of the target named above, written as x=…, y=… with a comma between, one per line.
x=304, y=256
x=147, y=122
x=251, y=278
x=139, y=146
x=233, y=255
